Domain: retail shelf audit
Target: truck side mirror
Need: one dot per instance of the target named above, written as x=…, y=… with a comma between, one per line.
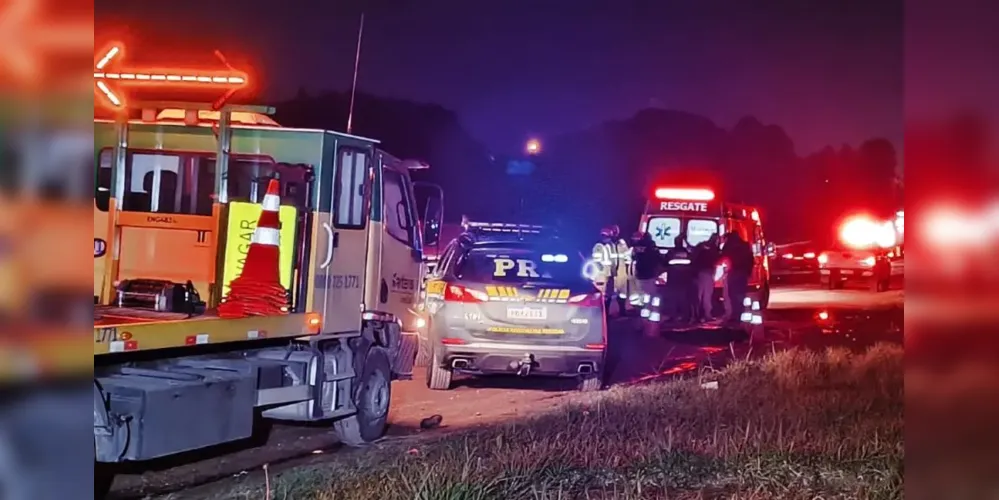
x=433, y=213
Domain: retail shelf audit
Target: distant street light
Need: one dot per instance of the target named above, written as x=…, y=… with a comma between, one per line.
x=533, y=147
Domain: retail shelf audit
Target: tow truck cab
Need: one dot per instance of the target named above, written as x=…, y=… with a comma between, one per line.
x=698, y=213
x=177, y=197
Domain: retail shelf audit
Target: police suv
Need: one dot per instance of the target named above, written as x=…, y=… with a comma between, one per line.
x=508, y=298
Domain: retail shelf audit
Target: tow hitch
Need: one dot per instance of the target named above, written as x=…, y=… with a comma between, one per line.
x=524, y=365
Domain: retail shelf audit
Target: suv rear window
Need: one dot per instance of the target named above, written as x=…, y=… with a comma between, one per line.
x=521, y=266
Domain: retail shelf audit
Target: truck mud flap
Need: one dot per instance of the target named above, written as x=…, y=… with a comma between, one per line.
x=402, y=365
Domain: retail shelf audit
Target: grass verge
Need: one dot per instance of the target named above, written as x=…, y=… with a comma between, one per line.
x=797, y=424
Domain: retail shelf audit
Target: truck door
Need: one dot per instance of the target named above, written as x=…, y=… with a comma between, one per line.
x=401, y=252
x=341, y=242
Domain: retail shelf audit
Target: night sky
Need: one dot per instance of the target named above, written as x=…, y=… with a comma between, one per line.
x=829, y=72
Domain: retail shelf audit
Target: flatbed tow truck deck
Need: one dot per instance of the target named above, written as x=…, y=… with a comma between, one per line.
x=118, y=329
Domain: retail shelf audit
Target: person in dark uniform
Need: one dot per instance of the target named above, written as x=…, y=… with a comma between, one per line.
x=739, y=256
x=648, y=265
x=705, y=259
x=678, y=280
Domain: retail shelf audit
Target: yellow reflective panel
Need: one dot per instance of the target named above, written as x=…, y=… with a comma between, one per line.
x=243, y=217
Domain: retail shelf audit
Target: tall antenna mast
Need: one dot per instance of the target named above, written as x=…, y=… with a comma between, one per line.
x=353, y=86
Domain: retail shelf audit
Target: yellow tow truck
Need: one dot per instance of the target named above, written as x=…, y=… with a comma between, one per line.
x=178, y=192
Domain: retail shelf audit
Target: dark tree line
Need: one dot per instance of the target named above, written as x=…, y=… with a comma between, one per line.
x=590, y=178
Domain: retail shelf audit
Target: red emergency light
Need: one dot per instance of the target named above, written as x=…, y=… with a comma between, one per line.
x=229, y=81
x=686, y=194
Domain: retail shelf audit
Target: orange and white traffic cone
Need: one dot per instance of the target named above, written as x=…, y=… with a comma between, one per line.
x=257, y=291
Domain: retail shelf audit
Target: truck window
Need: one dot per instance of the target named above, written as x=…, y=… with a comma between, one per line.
x=152, y=183
x=184, y=183
x=515, y=267
x=249, y=176
x=350, y=195
x=664, y=230
x=398, y=217
x=102, y=183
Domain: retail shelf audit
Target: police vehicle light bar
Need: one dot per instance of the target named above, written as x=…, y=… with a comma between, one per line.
x=687, y=194
x=560, y=258
x=499, y=227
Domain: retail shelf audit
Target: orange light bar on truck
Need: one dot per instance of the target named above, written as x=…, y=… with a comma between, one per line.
x=229, y=80
x=687, y=194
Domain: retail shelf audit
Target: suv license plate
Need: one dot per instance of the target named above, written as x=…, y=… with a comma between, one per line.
x=527, y=313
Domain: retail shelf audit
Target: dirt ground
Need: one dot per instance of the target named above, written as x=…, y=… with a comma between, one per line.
x=482, y=401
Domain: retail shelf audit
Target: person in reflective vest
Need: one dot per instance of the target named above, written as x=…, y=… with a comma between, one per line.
x=622, y=274
x=605, y=255
x=634, y=283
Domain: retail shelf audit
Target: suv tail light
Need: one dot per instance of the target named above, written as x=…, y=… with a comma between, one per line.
x=457, y=293
x=587, y=300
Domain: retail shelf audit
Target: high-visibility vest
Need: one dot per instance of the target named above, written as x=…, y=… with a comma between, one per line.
x=604, y=254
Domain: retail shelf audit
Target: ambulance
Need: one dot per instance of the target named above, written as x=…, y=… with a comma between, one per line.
x=699, y=213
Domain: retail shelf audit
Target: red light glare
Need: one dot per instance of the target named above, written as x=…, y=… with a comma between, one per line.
x=230, y=80
x=687, y=194
x=862, y=231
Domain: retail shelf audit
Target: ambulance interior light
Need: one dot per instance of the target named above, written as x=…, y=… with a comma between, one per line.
x=687, y=194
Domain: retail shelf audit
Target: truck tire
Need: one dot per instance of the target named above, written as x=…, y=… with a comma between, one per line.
x=423, y=350
x=371, y=397
x=438, y=377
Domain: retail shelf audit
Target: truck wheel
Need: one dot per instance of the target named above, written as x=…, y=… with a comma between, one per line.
x=372, y=398
x=438, y=377
x=103, y=477
x=423, y=350
x=591, y=383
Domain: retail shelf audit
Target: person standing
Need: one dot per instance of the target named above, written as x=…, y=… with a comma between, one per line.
x=739, y=256
x=648, y=267
x=622, y=270
x=678, y=280
x=605, y=256
x=705, y=261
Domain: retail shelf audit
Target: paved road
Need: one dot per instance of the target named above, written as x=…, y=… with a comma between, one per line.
x=853, y=317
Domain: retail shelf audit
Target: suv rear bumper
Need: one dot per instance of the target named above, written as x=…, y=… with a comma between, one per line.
x=490, y=358
x=850, y=274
